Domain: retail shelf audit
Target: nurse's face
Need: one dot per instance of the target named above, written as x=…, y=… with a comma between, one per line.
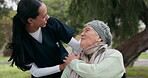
x=41, y=19
x=89, y=37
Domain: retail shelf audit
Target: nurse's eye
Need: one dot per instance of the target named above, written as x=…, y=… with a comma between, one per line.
x=44, y=16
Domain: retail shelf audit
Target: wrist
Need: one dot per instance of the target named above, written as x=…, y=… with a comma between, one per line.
x=62, y=66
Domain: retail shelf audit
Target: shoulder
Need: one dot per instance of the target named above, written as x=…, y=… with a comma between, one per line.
x=52, y=20
x=52, y=23
x=113, y=52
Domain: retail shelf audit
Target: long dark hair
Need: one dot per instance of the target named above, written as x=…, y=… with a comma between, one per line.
x=26, y=9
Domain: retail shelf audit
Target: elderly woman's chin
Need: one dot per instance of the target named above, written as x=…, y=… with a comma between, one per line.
x=84, y=44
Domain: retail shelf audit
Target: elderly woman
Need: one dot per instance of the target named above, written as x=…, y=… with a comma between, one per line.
x=96, y=60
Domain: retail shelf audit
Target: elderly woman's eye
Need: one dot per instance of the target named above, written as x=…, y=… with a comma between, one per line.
x=87, y=29
x=44, y=16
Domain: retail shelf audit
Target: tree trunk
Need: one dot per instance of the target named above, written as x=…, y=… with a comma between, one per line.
x=137, y=44
x=133, y=47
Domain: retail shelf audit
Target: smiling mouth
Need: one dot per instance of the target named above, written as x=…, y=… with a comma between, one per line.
x=82, y=38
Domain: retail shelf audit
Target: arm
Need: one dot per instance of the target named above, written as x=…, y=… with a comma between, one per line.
x=64, y=33
x=39, y=72
x=110, y=67
x=61, y=30
x=75, y=45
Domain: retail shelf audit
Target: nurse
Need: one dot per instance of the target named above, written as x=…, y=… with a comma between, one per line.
x=36, y=40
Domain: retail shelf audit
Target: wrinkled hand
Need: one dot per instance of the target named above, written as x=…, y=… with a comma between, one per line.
x=70, y=57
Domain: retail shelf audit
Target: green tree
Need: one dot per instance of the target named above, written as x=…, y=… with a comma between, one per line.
x=6, y=14
x=57, y=9
x=3, y=12
x=5, y=29
x=3, y=8
x=122, y=16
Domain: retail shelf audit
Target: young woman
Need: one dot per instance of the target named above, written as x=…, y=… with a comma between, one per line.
x=36, y=40
x=96, y=59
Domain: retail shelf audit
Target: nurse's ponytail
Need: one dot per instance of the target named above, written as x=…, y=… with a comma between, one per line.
x=17, y=47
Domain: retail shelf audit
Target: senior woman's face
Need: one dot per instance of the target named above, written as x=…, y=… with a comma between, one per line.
x=89, y=37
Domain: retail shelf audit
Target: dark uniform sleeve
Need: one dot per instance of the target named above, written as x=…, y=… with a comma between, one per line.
x=63, y=32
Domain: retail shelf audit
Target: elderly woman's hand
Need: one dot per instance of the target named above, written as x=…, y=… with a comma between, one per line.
x=70, y=57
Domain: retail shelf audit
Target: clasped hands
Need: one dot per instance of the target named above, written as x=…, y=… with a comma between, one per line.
x=68, y=59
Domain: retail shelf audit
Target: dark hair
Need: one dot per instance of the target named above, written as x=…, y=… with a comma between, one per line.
x=26, y=9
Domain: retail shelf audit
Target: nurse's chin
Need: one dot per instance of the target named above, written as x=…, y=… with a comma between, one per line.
x=43, y=26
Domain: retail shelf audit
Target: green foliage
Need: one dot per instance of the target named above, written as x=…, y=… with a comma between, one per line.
x=6, y=14
x=57, y=9
x=5, y=28
x=146, y=2
x=4, y=10
x=5, y=7
x=121, y=15
x=2, y=31
x=1, y=1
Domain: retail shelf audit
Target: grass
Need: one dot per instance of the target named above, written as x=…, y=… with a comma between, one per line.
x=12, y=72
x=143, y=56
x=137, y=72
x=4, y=58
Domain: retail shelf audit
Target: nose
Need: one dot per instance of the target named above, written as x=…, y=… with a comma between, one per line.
x=82, y=34
x=47, y=17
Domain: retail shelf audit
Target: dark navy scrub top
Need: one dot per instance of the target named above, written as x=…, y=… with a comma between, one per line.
x=50, y=52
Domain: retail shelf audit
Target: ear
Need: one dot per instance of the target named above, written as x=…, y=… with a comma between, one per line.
x=30, y=20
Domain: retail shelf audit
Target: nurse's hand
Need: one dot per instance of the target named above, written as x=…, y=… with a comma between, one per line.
x=62, y=66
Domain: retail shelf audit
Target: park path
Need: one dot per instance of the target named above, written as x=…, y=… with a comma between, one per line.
x=141, y=62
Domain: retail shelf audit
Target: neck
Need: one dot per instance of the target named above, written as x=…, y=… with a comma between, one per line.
x=31, y=29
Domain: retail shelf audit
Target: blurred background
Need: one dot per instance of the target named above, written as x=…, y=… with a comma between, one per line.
x=128, y=20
